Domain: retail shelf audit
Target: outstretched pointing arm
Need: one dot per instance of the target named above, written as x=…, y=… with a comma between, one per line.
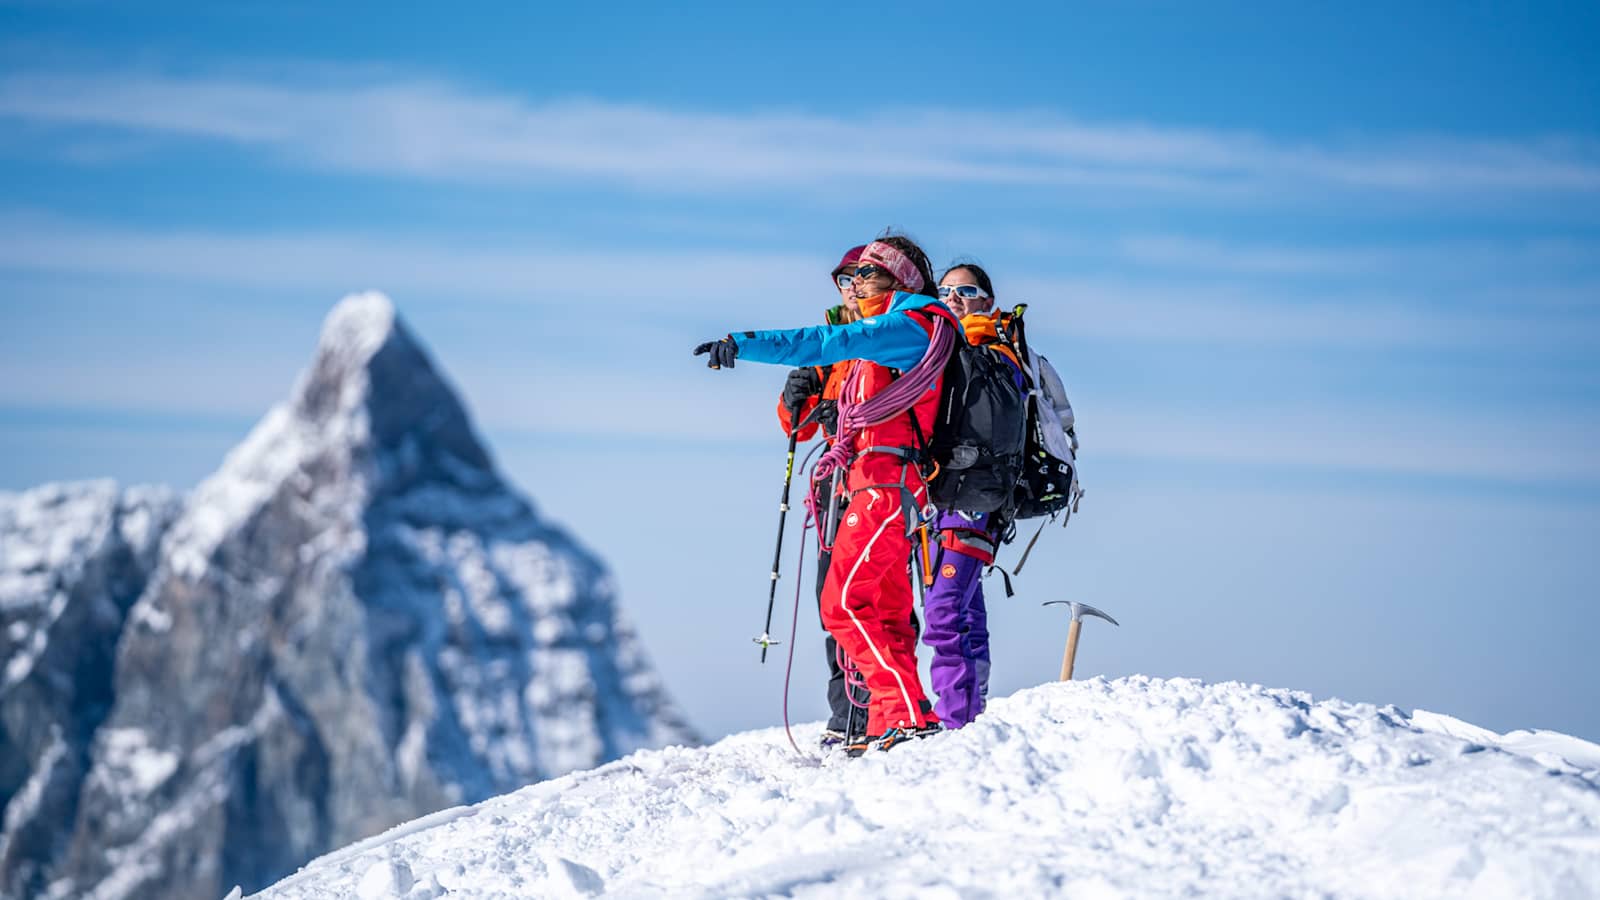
x=893, y=339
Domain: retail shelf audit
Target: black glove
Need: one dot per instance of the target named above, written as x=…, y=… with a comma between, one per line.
x=802, y=385
x=827, y=415
x=722, y=353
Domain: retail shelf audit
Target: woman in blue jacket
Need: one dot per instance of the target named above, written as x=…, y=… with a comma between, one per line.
x=896, y=354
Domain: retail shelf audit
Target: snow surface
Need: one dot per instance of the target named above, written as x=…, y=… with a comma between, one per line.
x=1130, y=788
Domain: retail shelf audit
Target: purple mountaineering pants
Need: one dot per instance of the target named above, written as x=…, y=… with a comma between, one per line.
x=957, y=627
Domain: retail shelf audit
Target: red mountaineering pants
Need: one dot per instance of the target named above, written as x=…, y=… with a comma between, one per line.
x=867, y=599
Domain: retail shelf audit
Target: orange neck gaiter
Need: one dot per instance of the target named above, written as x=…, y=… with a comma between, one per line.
x=871, y=306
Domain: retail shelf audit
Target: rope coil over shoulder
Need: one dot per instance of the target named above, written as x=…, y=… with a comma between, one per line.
x=900, y=396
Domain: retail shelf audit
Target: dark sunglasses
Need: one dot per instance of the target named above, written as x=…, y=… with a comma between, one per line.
x=843, y=279
x=866, y=273
x=964, y=291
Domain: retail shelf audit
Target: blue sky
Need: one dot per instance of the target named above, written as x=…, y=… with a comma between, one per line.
x=1324, y=284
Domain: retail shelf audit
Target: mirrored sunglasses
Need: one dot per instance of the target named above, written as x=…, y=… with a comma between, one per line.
x=843, y=279
x=866, y=273
x=964, y=291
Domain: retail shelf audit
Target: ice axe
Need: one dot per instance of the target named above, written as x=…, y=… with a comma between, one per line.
x=1079, y=610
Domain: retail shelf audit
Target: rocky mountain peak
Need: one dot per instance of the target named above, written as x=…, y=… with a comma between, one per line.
x=371, y=416
x=355, y=621
x=373, y=379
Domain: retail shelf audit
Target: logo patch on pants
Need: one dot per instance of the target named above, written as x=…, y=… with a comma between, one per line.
x=852, y=519
x=948, y=571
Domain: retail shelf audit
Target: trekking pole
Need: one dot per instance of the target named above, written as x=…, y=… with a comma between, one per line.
x=765, y=639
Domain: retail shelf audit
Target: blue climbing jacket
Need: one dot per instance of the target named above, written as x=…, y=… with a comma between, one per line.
x=892, y=338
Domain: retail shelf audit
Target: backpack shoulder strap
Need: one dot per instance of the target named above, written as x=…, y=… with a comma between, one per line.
x=930, y=314
x=1015, y=334
x=1011, y=327
x=935, y=311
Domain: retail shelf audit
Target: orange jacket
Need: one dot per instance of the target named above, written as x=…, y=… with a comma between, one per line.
x=832, y=383
x=984, y=328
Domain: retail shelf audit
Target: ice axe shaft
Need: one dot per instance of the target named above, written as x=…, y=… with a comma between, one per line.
x=1071, y=656
x=1079, y=610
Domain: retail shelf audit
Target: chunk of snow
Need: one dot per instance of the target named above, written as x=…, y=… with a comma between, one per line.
x=384, y=879
x=141, y=767
x=570, y=878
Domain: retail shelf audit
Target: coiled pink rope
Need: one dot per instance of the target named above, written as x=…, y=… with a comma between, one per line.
x=899, y=396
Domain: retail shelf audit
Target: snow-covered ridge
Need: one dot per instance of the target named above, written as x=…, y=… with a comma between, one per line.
x=1138, y=787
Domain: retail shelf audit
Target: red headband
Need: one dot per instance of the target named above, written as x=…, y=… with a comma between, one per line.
x=898, y=264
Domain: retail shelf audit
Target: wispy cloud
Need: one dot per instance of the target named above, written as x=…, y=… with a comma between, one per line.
x=1179, y=304
x=336, y=262
x=1359, y=439
x=390, y=124
x=557, y=389
x=679, y=401
x=1347, y=437
x=1462, y=258
x=1221, y=316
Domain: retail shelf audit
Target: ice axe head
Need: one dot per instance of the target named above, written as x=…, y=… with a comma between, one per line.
x=1079, y=610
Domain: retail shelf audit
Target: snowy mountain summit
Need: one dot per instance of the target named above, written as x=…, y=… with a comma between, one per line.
x=354, y=622
x=1131, y=788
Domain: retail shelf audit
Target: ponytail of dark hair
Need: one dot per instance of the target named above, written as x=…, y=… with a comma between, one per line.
x=906, y=245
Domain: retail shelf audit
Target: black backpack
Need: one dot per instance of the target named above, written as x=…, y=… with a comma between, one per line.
x=980, y=435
